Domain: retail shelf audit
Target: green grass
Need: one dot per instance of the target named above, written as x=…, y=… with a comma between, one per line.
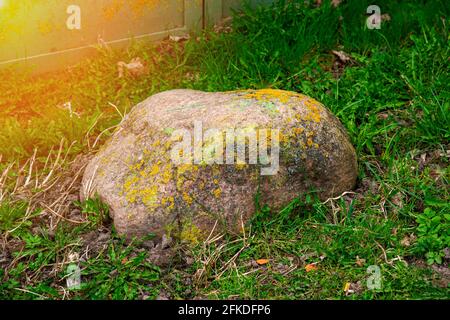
x=393, y=98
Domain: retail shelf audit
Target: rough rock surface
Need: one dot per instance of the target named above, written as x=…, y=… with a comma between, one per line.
x=148, y=193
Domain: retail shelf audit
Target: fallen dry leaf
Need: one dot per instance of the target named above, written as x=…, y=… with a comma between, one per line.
x=180, y=38
x=397, y=200
x=405, y=242
x=408, y=240
x=385, y=17
x=335, y=3
x=344, y=57
x=311, y=267
x=360, y=262
x=224, y=25
x=347, y=287
x=351, y=288
x=135, y=68
x=394, y=231
x=262, y=262
x=383, y=115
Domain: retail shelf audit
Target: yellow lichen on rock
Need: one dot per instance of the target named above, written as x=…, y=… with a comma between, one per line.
x=187, y=198
x=150, y=196
x=271, y=94
x=167, y=174
x=267, y=95
x=217, y=192
x=155, y=170
x=130, y=189
x=314, y=114
x=168, y=202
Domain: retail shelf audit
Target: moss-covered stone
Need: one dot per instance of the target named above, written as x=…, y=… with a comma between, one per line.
x=149, y=193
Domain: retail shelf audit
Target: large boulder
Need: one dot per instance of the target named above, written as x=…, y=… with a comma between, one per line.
x=153, y=183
